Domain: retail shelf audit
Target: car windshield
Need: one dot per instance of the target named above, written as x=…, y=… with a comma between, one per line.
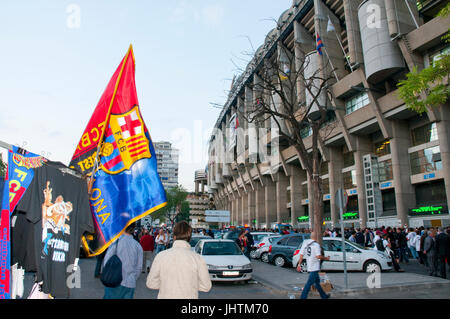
x=195, y=240
x=220, y=248
x=259, y=237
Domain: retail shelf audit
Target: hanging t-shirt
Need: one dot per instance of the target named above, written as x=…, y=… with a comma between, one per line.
x=57, y=208
x=23, y=247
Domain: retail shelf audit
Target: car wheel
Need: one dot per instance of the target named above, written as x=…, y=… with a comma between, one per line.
x=279, y=261
x=253, y=254
x=303, y=267
x=265, y=257
x=372, y=266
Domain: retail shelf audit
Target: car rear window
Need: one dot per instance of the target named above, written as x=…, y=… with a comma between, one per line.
x=220, y=248
x=295, y=241
x=283, y=241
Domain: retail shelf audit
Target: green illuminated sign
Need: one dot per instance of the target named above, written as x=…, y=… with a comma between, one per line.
x=429, y=210
x=350, y=215
x=303, y=219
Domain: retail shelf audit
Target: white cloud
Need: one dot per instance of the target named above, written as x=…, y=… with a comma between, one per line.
x=212, y=14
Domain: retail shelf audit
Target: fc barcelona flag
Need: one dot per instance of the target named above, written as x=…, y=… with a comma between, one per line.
x=126, y=185
x=319, y=44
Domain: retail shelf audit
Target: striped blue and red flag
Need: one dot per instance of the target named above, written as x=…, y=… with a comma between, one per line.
x=319, y=44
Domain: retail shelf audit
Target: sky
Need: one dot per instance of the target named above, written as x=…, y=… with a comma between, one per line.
x=57, y=57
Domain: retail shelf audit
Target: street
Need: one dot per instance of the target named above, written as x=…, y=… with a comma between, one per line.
x=268, y=281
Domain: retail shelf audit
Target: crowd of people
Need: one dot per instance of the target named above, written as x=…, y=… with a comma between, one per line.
x=430, y=246
x=139, y=248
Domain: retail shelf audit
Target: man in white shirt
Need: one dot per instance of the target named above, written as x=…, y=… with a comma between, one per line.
x=179, y=272
x=312, y=252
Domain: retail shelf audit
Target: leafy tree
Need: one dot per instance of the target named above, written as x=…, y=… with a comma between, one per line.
x=2, y=168
x=177, y=207
x=428, y=87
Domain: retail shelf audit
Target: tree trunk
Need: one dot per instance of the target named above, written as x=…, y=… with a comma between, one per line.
x=317, y=207
x=317, y=185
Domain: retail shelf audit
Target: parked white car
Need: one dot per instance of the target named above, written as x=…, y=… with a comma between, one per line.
x=225, y=260
x=196, y=238
x=262, y=250
x=358, y=258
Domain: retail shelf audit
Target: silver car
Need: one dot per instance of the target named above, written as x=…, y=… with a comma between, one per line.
x=262, y=250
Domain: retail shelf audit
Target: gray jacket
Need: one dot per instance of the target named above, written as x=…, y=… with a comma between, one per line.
x=430, y=246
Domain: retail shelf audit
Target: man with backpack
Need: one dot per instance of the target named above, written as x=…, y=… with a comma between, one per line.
x=383, y=244
x=314, y=255
x=130, y=254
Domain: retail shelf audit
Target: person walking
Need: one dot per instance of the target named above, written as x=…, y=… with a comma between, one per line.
x=250, y=242
x=313, y=253
x=411, y=239
x=130, y=254
x=160, y=241
x=442, y=250
x=368, y=238
x=179, y=272
x=388, y=248
x=359, y=238
x=423, y=236
x=241, y=241
x=429, y=249
x=402, y=245
x=148, y=245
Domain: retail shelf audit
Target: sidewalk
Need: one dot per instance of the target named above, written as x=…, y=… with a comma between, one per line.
x=287, y=280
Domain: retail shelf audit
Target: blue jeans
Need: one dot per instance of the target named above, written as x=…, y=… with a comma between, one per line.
x=313, y=279
x=413, y=252
x=403, y=254
x=120, y=292
x=159, y=248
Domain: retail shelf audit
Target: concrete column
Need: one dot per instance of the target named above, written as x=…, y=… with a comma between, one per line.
x=282, y=183
x=363, y=147
x=401, y=170
x=232, y=210
x=196, y=187
x=260, y=204
x=335, y=166
x=443, y=128
x=353, y=32
x=296, y=178
x=237, y=210
x=244, y=208
x=251, y=206
x=270, y=202
x=331, y=44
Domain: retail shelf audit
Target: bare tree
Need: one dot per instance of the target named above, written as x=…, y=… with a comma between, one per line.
x=293, y=93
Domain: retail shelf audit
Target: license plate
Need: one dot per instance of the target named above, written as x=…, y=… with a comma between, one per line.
x=230, y=273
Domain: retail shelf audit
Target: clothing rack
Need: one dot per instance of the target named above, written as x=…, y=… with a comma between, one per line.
x=21, y=150
x=6, y=145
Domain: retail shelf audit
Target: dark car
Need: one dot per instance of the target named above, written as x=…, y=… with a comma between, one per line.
x=282, y=250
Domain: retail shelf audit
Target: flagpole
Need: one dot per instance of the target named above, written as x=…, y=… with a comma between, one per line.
x=326, y=52
x=340, y=43
x=108, y=115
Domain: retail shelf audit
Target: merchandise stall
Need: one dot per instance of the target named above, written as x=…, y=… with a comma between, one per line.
x=45, y=212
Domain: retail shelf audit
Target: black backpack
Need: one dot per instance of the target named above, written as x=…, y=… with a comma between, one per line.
x=112, y=272
x=380, y=245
